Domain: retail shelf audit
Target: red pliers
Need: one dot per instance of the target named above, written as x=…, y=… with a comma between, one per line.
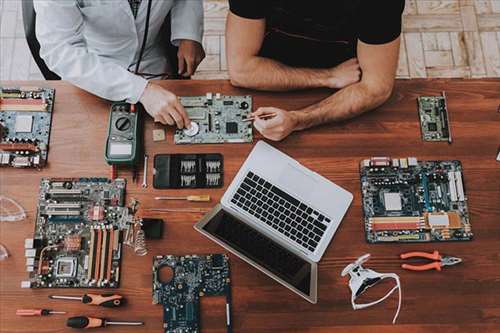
x=440, y=261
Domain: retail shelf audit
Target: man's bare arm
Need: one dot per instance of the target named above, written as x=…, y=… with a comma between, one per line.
x=378, y=65
x=244, y=39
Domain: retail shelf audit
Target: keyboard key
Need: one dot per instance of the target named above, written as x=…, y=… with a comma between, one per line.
x=267, y=185
x=319, y=225
x=327, y=220
x=284, y=195
x=309, y=210
x=245, y=187
x=302, y=206
x=317, y=238
x=318, y=231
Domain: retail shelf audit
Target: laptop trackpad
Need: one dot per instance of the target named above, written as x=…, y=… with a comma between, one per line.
x=297, y=181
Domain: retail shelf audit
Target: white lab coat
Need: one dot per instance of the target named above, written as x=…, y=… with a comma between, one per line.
x=93, y=43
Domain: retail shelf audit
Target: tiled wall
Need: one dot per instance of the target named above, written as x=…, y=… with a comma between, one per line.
x=442, y=38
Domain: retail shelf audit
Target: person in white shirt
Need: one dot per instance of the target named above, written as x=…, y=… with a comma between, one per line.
x=95, y=44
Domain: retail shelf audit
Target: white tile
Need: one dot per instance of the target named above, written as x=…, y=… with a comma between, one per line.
x=414, y=49
x=443, y=41
x=491, y=54
x=458, y=48
x=223, y=60
x=211, y=44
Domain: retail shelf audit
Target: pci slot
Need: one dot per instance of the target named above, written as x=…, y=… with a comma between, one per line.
x=63, y=212
x=110, y=254
x=19, y=147
x=104, y=255
x=64, y=206
x=460, y=186
x=452, y=186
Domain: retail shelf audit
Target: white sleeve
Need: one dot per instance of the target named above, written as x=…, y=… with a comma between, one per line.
x=59, y=27
x=187, y=21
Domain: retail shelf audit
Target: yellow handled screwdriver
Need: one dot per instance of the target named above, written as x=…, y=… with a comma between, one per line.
x=195, y=198
x=108, y=300
x=92, y=322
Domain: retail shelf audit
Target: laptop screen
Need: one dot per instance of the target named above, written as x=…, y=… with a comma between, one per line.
x=262, y=250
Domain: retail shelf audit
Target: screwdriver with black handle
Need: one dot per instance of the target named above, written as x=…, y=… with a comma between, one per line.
x=107, y=300
x=92, y=322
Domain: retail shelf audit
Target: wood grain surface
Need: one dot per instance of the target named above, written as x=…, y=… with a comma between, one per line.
x=463, y=298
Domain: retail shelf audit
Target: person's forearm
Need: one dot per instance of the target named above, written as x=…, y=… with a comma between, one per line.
x=346, y=103
x=266, y=74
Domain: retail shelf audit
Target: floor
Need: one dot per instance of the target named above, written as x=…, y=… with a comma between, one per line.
x=441, y=38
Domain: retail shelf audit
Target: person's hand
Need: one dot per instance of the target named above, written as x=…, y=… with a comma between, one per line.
x=343, y=75
x=190, y=55
x=164, y=106
x=278, y=127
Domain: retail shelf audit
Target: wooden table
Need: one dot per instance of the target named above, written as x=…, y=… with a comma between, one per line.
x=460, y=298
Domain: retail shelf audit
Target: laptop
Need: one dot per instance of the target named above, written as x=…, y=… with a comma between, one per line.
x=278, y=216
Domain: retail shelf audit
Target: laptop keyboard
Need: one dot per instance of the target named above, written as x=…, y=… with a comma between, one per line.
x=279, y=210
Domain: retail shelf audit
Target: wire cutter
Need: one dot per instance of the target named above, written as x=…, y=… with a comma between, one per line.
x=440, y=261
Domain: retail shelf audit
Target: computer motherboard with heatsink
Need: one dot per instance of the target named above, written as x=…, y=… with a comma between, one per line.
x=405, y=200
x=25, y=121
x=77, y=241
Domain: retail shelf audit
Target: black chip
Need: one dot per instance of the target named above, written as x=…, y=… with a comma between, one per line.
x=153, y=228
x=432, y=127
x=231, y=128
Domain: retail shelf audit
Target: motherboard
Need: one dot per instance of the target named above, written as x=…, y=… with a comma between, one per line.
x=406, y=200
x=216, y=119
x=192, y=277
x=25, y=121
x=77, y=241
x=434, y=120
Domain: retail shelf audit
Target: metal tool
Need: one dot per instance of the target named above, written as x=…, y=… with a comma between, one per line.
x=108, y=300
x=92, y=322
x=37, y=312
x=440, y=262
x=195, y=198
x=179, y=210
x=145, y=173
x=264, y=116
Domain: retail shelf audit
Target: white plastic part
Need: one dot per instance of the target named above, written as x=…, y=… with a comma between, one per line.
x=10, y=211
x=4, y=254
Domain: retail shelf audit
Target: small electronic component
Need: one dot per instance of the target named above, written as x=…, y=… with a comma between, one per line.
x=405, y=200
x=216, y=119
x=434, y=119
x=25, y=122
x=159, y=135
x=78, y=234
x=192, y=277
x=188, y=171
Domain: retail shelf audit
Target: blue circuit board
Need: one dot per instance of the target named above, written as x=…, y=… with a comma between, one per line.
x=405, y=200
x=193, y=276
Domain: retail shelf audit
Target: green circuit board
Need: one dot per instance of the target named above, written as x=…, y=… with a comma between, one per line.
x=193, y=276
x=434, y=119
x=219, y=119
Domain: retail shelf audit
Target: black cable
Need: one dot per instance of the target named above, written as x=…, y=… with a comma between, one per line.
x=146, y=29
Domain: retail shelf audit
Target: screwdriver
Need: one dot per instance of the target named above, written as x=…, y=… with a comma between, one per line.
x=37, y=312
x=92, y=322
x=107, y=300
x=197, y=198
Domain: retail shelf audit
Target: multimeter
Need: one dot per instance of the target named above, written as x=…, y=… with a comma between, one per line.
x=125, y=140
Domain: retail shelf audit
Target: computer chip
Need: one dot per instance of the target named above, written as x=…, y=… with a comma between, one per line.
x=231, y=128
x=24, y=124
x=392, y=201
x=432, y=127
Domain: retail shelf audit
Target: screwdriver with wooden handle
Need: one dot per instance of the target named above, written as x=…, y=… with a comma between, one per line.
x=92, y=322
x=108, y=300
x=37, y=312
x=196, y=198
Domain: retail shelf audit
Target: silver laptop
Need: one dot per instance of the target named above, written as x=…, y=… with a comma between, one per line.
x=279, y=217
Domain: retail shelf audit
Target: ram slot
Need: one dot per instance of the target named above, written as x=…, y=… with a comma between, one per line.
x=460, y=186
x=104, y=254
x=19, y=147
x=56, y=191
x=110, y=254
x=452, y=186
x=98, y=255
x=396, y=223
x=90, y=272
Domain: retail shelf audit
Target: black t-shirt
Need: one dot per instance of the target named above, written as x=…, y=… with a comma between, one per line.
x=321, y=33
